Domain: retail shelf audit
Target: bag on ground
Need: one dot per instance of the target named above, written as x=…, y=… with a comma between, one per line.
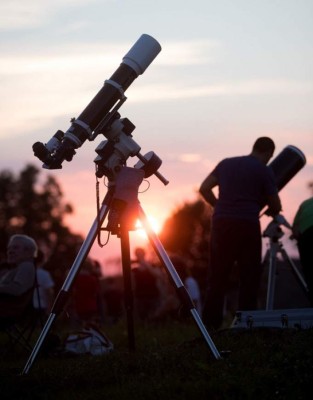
x=89, y=340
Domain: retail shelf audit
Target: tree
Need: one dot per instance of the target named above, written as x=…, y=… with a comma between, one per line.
x=35, y=206
x=187, y=233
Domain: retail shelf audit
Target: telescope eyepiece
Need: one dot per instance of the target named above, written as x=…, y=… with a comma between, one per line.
x=41, y=152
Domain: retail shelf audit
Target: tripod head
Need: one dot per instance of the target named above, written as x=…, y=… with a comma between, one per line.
x=273, y=230
x=119, y=146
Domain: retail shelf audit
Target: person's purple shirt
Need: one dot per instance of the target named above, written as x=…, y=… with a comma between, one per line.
x=244, y=183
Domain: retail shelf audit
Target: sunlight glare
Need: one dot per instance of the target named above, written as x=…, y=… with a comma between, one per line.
x=154, y=223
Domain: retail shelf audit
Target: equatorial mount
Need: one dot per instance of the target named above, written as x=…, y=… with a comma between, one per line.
x=119, y=146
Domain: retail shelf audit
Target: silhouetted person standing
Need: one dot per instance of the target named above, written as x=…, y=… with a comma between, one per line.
x=303, y=232
x=145, y=288
x=245, y=185
x=86, y=293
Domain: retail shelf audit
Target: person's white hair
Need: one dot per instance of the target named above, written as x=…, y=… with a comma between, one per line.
x=27, y=241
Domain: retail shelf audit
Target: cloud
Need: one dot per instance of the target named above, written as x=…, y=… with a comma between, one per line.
x=190, y=157
x=39, y=101
x=52, y=82
x=173, y=91
x=18, y=14
x=69, y=56
x=189, y=52
x=46, y=83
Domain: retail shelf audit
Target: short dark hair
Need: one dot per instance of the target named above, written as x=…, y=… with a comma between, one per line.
x=263, y=144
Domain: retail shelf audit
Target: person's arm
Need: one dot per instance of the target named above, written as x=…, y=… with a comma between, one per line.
x=274, y=205
x=295, y=224
x=206, y=189
x=21, y=281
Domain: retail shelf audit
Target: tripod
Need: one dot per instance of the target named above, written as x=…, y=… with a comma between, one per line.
x=121, y=206
x=274, y=233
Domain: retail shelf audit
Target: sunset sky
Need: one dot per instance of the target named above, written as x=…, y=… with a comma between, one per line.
x=229, y=72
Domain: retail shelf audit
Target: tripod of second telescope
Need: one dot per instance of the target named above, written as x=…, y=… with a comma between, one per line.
x=109, y=205
x=274, y=233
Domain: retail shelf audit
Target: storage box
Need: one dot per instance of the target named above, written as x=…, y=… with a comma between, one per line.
x=298, y=318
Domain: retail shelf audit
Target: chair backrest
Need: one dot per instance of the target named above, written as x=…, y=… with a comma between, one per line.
x=18, y=318
x=15, y=307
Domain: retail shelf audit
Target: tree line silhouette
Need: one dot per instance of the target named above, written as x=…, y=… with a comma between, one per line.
x=33, y=204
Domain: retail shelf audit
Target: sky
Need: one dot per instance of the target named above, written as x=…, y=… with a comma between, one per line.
x=229, y=72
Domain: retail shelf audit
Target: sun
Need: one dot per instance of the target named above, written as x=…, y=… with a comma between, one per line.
x=154, y=223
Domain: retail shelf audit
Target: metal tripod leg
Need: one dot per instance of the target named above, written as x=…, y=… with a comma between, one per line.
x=63, y=295
x=181, y=290
x=272, y=258
x=294, y=269
x=128, y=293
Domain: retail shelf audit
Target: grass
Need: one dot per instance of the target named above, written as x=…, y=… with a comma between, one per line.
x=171, y=361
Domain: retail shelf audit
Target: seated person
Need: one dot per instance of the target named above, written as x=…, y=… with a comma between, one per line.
x=18, y=280
x=44, y=294
x=86, y=294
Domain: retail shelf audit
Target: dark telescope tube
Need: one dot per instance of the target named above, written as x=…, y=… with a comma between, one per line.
x=134, y=63
x=287, y=164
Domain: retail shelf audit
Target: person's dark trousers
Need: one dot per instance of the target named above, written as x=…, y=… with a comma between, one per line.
x=305, y=243
x=233, y=241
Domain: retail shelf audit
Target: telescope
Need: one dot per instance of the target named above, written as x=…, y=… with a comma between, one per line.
x=287, y=164
x=101, y=112
x=120, y=204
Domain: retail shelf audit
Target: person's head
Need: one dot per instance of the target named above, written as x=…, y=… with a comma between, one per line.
x=21, y=248
x=263, y=149
x=140, y=253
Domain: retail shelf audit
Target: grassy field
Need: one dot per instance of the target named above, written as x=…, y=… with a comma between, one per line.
x=171, y=361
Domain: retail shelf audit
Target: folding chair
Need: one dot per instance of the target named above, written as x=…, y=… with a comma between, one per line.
x=19, y=328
